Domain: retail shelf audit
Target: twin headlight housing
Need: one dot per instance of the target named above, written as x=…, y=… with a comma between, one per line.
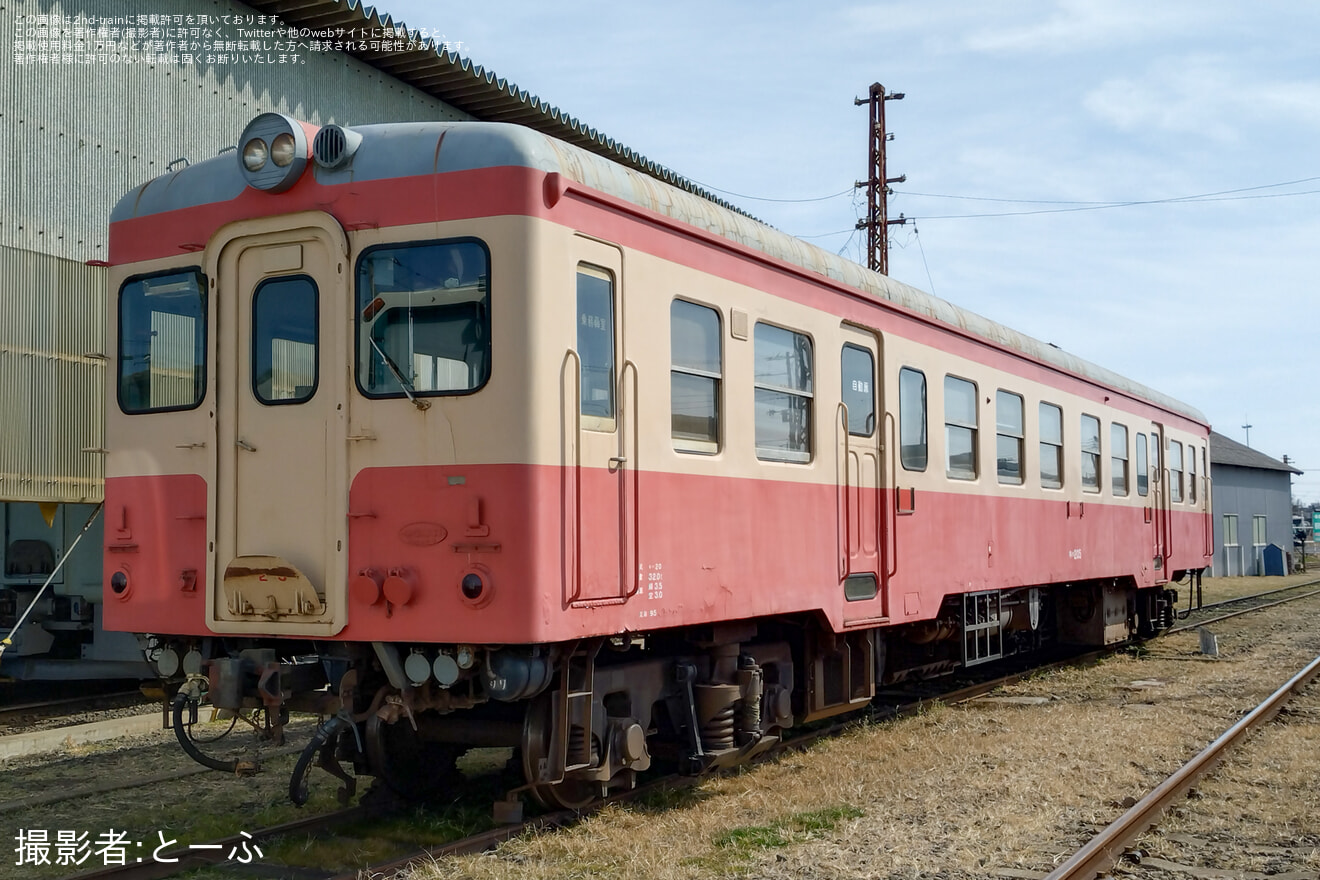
x=272, y=152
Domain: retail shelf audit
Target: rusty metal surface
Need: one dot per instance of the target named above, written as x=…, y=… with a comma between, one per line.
x=1105, y=849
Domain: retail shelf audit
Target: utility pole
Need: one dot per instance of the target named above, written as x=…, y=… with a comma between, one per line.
x=877, y=220
x=1247, y=428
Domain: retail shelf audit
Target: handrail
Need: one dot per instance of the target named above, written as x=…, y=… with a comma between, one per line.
x=635, y=537
x=844, y=488
x=572, y=355
x=891, y=536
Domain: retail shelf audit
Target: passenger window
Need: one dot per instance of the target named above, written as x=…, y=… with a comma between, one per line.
x=162, y=342
x=960, y=428
x=1175, y=470
x=858, y=393
x=912, y=418
x=694, y=379
x=285, y=332
x=1143, y=476
x=1118, y=458
x=1009, y=434
x=595, y=341
x=1191, y=474
x=423, y=319
x=1090, y=454
x=782, y=373
x=1051, y=446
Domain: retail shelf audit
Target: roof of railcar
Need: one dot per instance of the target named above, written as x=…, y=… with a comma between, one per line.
x=413, y=148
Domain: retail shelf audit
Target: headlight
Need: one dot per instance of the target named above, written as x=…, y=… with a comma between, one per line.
x=254, y=154
x=282, y=150
x=274, y=152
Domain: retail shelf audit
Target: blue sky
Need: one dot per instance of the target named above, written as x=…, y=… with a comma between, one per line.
x=1036, y=108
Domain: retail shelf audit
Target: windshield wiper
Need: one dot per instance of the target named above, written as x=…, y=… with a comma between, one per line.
x=398, y=376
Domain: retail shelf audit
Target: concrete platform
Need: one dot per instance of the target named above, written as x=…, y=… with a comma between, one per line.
x=37, y=742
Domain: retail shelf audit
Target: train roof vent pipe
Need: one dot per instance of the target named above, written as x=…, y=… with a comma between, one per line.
x=334, y=145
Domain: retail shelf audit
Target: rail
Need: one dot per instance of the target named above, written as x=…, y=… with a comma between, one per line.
x=1106, y=848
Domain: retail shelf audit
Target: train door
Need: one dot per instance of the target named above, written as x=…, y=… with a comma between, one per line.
x=600, y=444
x=280, y=500
x=860, y=478
x=1159, y=499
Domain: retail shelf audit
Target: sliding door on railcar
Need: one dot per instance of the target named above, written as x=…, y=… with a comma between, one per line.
x=861, y=479
x=599, y=408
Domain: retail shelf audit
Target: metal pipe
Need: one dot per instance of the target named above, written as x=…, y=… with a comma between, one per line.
x=9, y=639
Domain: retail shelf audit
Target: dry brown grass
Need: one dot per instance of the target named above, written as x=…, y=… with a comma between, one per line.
x=1224, y=588
x=964, y=791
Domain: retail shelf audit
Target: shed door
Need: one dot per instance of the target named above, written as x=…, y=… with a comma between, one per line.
x=280, y=500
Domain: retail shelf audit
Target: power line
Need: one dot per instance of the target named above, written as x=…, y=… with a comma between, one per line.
x=1112, y=203
x=1101, y=206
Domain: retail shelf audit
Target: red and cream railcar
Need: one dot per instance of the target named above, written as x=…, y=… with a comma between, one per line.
x=530, y=448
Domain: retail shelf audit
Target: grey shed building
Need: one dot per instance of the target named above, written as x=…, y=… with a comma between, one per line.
x=1252, y=503
x=96, y=98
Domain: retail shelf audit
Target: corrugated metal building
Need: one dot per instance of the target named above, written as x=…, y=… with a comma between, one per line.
x=99, y=96
x=1252, y=501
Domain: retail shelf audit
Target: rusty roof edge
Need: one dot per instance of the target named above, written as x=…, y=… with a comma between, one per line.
x=545, y=117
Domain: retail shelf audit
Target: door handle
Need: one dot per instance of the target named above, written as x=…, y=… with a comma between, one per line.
x=243, y=444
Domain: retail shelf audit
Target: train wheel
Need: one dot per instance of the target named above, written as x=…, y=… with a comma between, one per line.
x=414, y=768
x=570, y=794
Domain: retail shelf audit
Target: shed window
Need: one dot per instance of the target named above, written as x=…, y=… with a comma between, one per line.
x=782, y=374
x=960, y=428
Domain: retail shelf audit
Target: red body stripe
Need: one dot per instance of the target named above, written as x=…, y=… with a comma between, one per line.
x=700, y=556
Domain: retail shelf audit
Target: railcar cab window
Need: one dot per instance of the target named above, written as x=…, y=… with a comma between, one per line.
x=423, y=319
x=1090, y=454
x=1143, y=473
x=858, y=391
x=783, y=377
x=1051, y=446
x=912, y=419
x=162, y=342
x=1175, y=470
x=695, y=345
x=960, y=428
x=595, y=345
x=1008, y=439
x=1118, y=458
x=285, y=320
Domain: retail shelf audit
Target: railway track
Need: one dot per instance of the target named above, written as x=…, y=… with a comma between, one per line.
x=1104, y=850
x=217, y=852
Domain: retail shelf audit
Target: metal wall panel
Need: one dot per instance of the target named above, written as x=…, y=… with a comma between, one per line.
x=52, y=374
x=76, y=137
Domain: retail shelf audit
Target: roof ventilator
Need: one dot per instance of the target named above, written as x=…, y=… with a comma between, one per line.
x=334, y=145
